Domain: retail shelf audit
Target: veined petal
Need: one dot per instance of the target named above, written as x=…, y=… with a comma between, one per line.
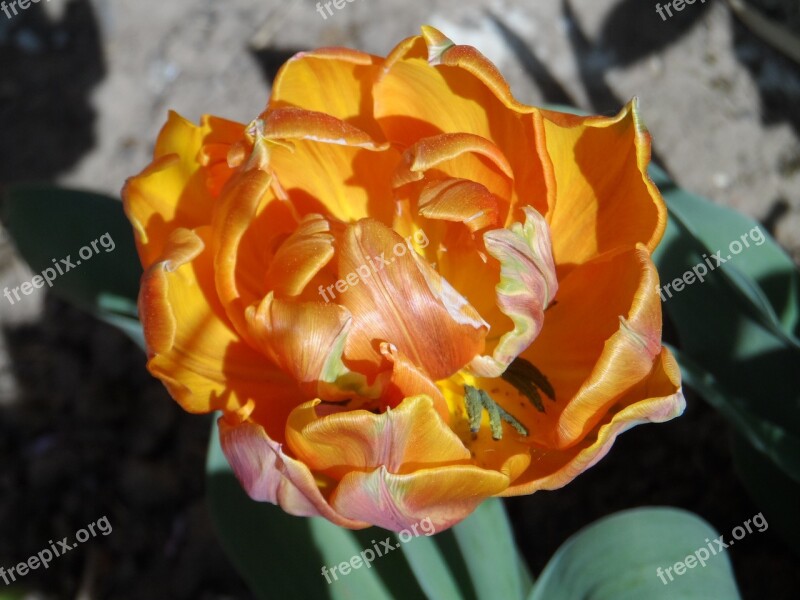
x=445, y=495
x=402, y=300
x=268, y=474
x=402, y=440
x=332, y=81
x=307, y=340
x=191, y=345
x=656, y=399
x=605, y=198
x=174, y=191
x=527, y=286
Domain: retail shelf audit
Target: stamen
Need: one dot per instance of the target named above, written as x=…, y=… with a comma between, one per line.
x=478, y=400
x=529, y=380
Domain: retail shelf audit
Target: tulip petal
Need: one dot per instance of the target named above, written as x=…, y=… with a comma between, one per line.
x=598, y=342
x=402, y=440
x=306, y=340
x=605, y=199
x=268, y=474
x=656, y=399
x=459, y=201
x=408, y=379
x=527, y=286
x=404, y=302
x=173, y=191
x=430, y=86
x=191, y=345
x=331, y=81
x=445, y=495
x=327, y=166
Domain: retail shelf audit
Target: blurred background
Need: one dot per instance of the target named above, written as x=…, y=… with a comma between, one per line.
x=85, y=86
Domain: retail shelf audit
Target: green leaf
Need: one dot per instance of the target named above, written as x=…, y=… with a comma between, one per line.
x=487, y=545
x=431, y=569
x=774, y=492
x=618, y=557
x=50, y=223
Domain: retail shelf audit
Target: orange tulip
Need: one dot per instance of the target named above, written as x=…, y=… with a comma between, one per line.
x=405, y=291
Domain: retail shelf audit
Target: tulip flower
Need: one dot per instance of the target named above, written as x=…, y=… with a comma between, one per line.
x=405, y=291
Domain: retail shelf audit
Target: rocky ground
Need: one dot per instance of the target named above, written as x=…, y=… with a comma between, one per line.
x=84, y=88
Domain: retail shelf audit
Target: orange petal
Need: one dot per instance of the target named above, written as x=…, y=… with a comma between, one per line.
x=443, y=495
x=191, y=345
x=460, y=201
x=402, y=300
x=268, y=474
x=408, y=379
x=598, y=341
x=307, y=340
x=605, y=198
x=404, y=439
x=656, y=399
x=431, y=86
x=331, y=81
x=327, y=166
x=527, y=286
x=177, y=189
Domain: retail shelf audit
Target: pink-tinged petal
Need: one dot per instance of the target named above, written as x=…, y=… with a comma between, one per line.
x=527, y=286
x=268, y=474
x=444, y=495
x=657, y=399
x=402, y=440
x=404, y=302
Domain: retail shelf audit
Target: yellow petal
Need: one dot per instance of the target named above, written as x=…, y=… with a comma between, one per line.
x=605, y=199
x=178, y=188
x=331, y=81
x=191, y=345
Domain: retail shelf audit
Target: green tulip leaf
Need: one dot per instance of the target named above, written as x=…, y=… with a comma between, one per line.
x=626, y=556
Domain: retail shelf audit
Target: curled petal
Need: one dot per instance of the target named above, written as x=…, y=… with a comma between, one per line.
x=459, y=201
x=656, y=399
x=191, y=345
x=527, y=286
x=402, y=440
x=268, y=474
x=176, y=189
x=445, y=495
